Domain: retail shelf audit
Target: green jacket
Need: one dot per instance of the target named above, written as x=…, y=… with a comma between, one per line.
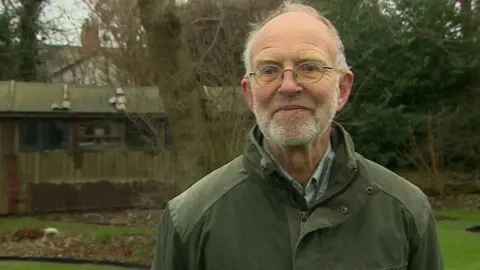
x=245, y=216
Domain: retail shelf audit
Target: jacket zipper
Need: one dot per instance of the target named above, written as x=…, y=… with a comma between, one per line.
x=304, y=215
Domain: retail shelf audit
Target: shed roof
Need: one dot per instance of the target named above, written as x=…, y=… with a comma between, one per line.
x=36, y=97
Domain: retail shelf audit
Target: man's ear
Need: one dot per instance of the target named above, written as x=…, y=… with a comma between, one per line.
x=345, y=86
x=247, y=90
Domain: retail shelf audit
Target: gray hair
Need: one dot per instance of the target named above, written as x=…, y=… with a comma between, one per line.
x=295, y=6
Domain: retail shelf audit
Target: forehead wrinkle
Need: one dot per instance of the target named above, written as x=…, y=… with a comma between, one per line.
x=267, y=57
x=310, y=55
x=289, y=30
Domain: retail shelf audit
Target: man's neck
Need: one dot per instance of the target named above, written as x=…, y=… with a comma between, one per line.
x=302, y=161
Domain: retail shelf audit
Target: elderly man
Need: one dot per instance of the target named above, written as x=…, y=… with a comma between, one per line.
x=299, y=197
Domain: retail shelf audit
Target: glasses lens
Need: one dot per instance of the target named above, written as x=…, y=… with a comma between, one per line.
x=269, y=75
x=309, y=72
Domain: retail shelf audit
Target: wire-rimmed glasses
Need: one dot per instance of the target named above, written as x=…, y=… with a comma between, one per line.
x=305, y=73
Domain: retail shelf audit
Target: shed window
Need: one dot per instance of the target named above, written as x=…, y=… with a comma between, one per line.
x=43, y=135
x=143, y=134
x=99, y=135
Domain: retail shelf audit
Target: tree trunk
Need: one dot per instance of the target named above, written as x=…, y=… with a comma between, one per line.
x=467, y=17
x=182, y=96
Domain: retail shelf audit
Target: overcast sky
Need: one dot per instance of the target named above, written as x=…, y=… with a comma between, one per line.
x=68, y=16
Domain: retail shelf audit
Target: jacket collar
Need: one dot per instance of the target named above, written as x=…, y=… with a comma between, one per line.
x=258, y=163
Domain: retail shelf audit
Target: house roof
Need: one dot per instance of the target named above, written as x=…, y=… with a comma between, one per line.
x=60, y=57
x=39, y=97
x=36, y=97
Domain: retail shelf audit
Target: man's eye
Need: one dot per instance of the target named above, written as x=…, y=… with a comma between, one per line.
x=269, y=70
x=309, y=67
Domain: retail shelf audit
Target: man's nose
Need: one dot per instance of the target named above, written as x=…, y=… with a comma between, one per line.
x=289, y=84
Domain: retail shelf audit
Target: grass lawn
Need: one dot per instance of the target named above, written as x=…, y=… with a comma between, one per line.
x=461, y=249
x=12, y=224
x=51, y=266
x=78, y=241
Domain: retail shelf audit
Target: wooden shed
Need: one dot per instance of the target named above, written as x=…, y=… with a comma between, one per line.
x=65, y=147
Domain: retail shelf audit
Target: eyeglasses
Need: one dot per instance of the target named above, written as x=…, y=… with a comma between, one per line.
x=305, y=73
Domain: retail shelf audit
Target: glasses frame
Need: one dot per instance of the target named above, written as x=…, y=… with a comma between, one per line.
x=295, y=75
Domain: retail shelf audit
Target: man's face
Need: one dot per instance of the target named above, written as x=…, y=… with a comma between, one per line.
x=293, y=112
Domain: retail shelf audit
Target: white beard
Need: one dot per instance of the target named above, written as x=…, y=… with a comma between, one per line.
x=298, y=129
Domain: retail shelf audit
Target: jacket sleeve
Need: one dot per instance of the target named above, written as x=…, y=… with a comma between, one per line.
x=168, y=246
x=426, y=252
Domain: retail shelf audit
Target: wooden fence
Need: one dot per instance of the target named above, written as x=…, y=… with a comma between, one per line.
x=112, y=165
x=53, y=181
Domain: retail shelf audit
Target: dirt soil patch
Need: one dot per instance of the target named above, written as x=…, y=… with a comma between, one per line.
x=131, y=218
x=473, y=229
x=456, y=202
x=128, y=247
x=123, y=248
x=133, y=248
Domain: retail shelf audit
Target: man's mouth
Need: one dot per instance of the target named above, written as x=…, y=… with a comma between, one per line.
x=290, y=108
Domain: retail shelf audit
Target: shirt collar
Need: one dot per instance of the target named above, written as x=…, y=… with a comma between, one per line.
x=314, y=181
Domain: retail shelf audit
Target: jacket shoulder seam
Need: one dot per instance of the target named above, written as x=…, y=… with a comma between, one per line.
x=188, y=208
x=421, y=216
x=207, y=209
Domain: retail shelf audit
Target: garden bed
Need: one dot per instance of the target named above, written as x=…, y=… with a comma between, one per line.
x=122, y=236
